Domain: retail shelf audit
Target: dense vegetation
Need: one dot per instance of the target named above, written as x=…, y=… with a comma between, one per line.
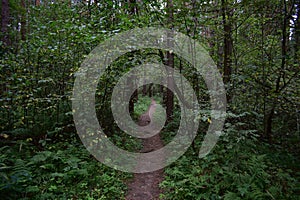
x=255, y=45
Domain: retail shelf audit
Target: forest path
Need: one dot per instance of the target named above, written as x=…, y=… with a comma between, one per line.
x=145, y=186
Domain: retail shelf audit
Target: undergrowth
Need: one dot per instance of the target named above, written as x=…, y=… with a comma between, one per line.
x=241, y=166
x=62, y=170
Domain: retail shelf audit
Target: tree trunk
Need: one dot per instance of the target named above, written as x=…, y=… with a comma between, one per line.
x=269, y=116
x=133, y=99
x=268, y=124
x=170, y=83
x=150, y=90
x=23, y=21
x=5, y=22
x=132, y=5
x=131, y=83
x=297, y=33
x=144, y=91
x=170, y=63
x=227, y=48
x=132, y=11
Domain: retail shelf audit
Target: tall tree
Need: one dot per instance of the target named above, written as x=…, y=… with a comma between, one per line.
x=132, y=5
x=170, y=63
x=132, y=10
x=297, y=32
x=227, y=48
x=5, y=22
x=280, y=81
x=23, y=20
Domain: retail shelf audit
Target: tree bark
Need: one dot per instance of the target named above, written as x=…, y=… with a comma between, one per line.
x=23, y=21
x=170, y=63
x=132, y=5
x=133, y=99
x=297, y=33
x=37, y=2
x=132, y=11
x=268, y=123
x=227, y=48
x=170, y=83
x=144, y=91
x=150, y=90
x=5, y=22
x=269, y=116
x=134, y=96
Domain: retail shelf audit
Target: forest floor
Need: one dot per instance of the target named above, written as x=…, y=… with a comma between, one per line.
x=145, y=186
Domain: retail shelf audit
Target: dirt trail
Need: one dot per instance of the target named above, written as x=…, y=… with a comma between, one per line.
x=145, y=186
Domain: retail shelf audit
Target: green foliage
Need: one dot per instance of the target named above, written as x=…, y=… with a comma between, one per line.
x=40, y=156
x=239, y=167
x=61, y=171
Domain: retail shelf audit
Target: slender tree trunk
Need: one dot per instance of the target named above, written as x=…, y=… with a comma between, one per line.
x=161, y=88
x=23, y=21
x=227, y=45
x=170, y=83
x=5, y=22
x=144, y=91
x=150, y=91
x=194, y=32
x=170, y=63
x=133, y=99
x=281, y=76
x=132, y=5
x=268, y=123
x=133, y=11
x=297, y=33
x=134, y=96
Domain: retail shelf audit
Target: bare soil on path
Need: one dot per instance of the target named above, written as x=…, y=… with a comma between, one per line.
x=145, y=186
